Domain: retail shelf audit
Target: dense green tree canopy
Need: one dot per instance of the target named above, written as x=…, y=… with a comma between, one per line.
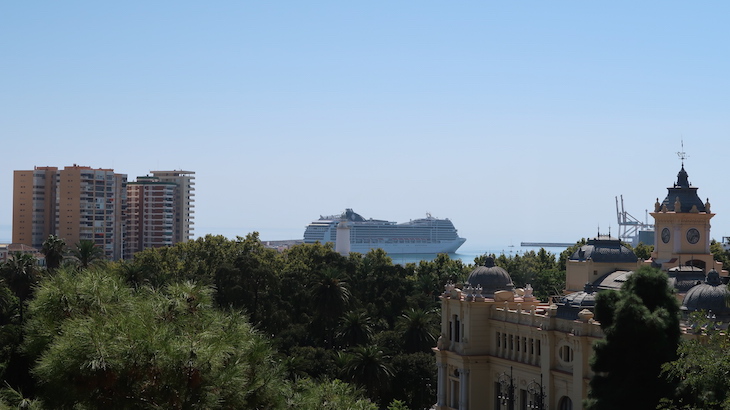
x=641, y=324
x=119, y=348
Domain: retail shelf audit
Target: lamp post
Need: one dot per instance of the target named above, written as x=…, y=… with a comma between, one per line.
x=507, y=390
x=537, y=395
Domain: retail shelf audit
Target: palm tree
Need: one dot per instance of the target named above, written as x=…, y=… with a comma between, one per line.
x=20, y=273
x=356, y=328
x=54, y=249
x=86, y=253
x=419, y=329
x=330, y=296
x=368, y=367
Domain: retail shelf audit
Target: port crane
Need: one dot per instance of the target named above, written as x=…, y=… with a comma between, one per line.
x=629, y=226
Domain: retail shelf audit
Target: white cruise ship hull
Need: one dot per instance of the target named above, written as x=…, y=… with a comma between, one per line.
x=406, y=248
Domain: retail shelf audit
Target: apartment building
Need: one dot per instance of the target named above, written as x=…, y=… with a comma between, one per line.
x=74, y=203
x=79, y=202
x=184, y=201
x=151, y=214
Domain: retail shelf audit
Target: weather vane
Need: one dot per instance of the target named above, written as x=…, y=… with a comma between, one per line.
x=681, y=154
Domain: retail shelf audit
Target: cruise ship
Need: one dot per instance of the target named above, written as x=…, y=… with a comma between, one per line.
x=424, y=235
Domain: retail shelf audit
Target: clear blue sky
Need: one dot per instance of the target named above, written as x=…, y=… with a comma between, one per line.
x=520, y=121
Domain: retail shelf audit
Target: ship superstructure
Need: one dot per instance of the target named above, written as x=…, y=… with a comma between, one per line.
x=423, y=235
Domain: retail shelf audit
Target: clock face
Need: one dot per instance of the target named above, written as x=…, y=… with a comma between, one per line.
x=693, y=236
x=665, y=235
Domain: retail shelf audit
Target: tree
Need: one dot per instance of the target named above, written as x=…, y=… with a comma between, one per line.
x=643, y=251
x=419, y=329
x=327, y=395
x=86, y=253
x=99, y=343
x=719, y=253
x=20, y=273
x=356, y=328
x=641, y=326
x=701, y=370
x=54, y=249
x=415, y=380
x=566, y=254
x=369, y=367
x=330, y=296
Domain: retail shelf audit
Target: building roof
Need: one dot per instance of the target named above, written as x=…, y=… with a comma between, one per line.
x=710, y=296
x=685, y=277
x=490, y=277
x=570, y=305
x=613, y=280
x=604, y=249
x=686, y=194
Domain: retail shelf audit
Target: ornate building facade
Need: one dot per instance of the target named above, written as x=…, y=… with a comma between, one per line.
x=501, y=349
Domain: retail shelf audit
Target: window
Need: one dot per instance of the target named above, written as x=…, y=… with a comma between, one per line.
x=566, y=353
x=565, y=403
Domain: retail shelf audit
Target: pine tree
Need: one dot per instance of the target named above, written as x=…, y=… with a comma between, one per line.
x=641, y=324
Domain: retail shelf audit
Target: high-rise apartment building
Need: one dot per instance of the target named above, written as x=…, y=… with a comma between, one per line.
x=122, y=218
x=34, y=211
x=74, y=203
x=151, y=214
x=184, y=180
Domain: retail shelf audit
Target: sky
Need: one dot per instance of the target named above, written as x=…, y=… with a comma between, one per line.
x=519, y=121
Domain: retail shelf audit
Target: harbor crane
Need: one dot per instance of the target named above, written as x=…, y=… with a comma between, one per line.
x=629, y=226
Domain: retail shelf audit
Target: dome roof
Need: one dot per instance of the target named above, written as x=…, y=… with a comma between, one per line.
x=685, y=193
x=490, y=277
x=709, y=296
x=604, y=249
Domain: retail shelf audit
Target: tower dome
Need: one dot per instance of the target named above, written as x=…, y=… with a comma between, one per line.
x=683, y=194
x=490, y=277
x=604, y=248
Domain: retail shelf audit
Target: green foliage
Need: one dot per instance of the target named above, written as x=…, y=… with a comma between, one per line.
x=356, y=328
x=641, y=324
x=643, y=251
x=309, y=299
x=10, y=336
x=701, y=370
x=54, y=249
x=327, y=395
x=415, y=380
x=397, y=405
x=14, y=399
x=419, y=328
x=566, y=254
x=369, y=367
x=120, y=348
x=20, y=274
x=539, y=269
x=86, y=253
x=720, y=254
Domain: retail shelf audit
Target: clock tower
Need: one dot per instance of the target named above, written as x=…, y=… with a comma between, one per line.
x=682, y=228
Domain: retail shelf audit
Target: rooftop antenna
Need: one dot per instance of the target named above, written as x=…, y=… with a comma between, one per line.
x=681, y=154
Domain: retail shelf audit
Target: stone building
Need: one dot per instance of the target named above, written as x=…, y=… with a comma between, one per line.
x=500, y=348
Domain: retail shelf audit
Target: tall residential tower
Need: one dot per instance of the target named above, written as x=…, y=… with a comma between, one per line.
x=74, y=203
x=183, y=201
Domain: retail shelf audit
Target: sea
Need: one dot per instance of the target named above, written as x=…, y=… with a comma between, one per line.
x=467, y=255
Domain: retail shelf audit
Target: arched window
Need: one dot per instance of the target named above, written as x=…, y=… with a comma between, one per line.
x=565, y=403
